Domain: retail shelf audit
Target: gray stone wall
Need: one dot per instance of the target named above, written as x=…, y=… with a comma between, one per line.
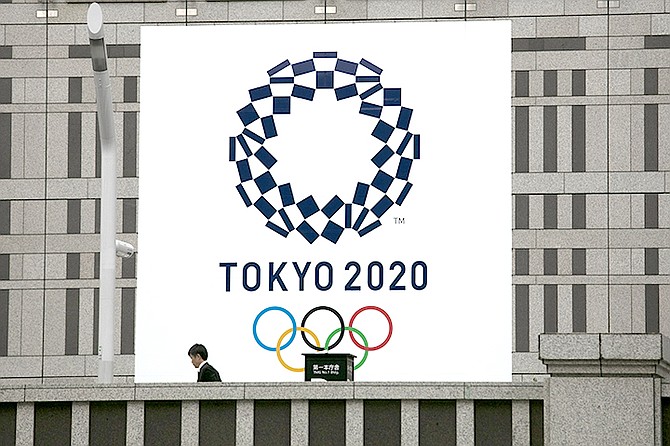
x=354, y=414
x=590, y=167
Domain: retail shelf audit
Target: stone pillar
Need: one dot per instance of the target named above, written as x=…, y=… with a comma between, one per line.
x=354, y=422
x=409, y=422
x=80, y=423
x=465, y=423
x=190, y=423
x=25, y=424
x=299, y=422
x=135, y=423
x=604, y=388
x=244, y=430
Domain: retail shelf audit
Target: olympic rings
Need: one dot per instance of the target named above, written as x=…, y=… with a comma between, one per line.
x=365, y=341
x=388, y=318
x=366, y=348
x=283, y=310
x=304, y=319
x=281, y=338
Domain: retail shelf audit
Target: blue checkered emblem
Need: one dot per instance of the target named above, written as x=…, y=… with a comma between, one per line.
x=395, y=149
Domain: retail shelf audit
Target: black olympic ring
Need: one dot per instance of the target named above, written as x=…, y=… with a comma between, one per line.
x=332, y=310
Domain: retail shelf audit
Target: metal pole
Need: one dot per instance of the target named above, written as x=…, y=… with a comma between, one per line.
x=108, y=193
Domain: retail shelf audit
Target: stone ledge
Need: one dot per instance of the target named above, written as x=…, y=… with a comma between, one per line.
x=606, y=354
x=279, y=390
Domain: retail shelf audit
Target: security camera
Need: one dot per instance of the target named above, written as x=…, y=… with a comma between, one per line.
x=124, y=249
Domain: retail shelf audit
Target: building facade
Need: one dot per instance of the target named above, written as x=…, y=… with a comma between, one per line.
x=590, y=172
x=590, y=167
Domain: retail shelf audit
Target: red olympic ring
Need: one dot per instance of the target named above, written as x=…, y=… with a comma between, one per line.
x=388, y=318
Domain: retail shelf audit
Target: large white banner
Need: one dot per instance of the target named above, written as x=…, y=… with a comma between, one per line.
x=311, y=184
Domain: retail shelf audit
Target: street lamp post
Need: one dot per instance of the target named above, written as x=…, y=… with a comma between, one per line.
x=108, y=193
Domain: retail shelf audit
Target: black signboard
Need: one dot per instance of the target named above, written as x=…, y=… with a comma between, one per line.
x=329, y=366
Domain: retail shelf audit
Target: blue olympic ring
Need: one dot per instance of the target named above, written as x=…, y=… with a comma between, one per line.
x=286, y=312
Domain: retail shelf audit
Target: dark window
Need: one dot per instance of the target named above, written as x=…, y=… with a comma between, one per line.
x=521, y=212
x=665, y=420
x=521, y=318
x=551, y=83
x=579, y=211
x=327, y=422
x=7, y=423
x=5, y=215
x=129, y=144
x=579, y=308
x=72, y=321
x=162, y=423
x=493, y=423
x=536, y=422
x=96, y=265
x=121, y=50
x=437, y=423
x=521, y=139
x=550, y=262
x=651, y=261
x=272, y=422
x=107, y=426
x=127, y=321
x=550, y=139
x=53, y=423
x=578, y=262
x=74, y=90
x=4, y=323
x=130, y=89
x=651, y=308
x=551, y=308
x=129, y=215
x=549, y=44
x=579, y=82
x=651, y=81
x=5, y=90
x=381, y=422
x=521, y=84
x=651, y=210
x=217, y=422
x=657, y=42
x=128, y=267
x=550, y=212
x=73, y=265
x=521, y=262
x=74, y=145
x=96, y=319
x=73, y=216
x=5, y=145
x=97, y=216
x=651, y=137
x=4, y=266
x=578, y=138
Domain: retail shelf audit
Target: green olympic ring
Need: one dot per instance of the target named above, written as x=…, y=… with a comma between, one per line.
x=355, y=330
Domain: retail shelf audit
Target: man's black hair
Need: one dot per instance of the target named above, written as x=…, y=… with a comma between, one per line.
x=198, y=349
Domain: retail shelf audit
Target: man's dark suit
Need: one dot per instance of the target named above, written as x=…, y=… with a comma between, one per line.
x=207, y=373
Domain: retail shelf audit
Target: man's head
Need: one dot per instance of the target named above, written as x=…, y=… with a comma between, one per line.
x=198, y=354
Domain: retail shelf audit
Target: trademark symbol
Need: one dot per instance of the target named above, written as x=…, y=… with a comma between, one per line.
x=399, y=220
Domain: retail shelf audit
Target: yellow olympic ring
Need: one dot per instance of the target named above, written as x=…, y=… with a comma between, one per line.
x=281, y=338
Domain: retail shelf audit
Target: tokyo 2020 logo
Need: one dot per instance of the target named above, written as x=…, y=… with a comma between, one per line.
x=393, y=148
